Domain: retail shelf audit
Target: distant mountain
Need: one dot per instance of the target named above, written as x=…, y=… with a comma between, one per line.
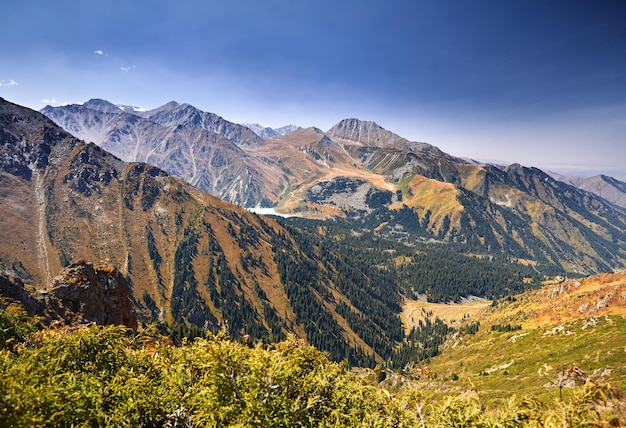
x=101, y=105
x=180, y=145
x=265, y=131
x=371, y=134
x=452, y=228
x=185, y=115
x=360, y=171
x=402, y=189
x=606, y=187
x=189, y=258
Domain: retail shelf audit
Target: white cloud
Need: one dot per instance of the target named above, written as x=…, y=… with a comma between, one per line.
x=48, y=101
x=10, y=82
x=98, y=52
x=127, y=69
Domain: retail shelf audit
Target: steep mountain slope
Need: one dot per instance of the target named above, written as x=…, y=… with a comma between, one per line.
x=175, y=114
x=190, y=258
x=609, y=188
x=363, y=172
x=370, y=134
x=204, y=158
x=199, y=262
x=518, y=211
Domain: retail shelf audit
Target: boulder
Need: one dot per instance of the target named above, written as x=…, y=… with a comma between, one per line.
x=86, y=292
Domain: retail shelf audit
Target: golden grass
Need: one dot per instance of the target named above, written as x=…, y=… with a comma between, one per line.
x=473, y=177
x=415, y=310
x=567, y=323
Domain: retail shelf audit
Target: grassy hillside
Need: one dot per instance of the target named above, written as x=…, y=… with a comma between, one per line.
x=527, y=343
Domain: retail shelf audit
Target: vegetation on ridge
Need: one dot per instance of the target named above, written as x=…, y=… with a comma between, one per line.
x=112, y=376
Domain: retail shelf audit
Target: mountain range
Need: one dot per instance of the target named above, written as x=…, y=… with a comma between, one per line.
x=265, y=131
x=395, y=219
x=384, y=234
x=360, y=172
x=193, y=260
x=189, y=257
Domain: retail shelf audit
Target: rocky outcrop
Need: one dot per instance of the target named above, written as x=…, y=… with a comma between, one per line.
x=85, y=293
x=12, y=288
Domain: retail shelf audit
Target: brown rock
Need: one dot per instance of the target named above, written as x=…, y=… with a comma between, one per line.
x=85, y=293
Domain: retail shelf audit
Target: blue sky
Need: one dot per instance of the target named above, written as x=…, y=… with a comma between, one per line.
x=542, y=83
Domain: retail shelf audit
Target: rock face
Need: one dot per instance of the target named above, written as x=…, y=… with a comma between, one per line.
x=12, y=287
x=199, y=147
x=185, y=115
x=371, y=134
x=85, y=293
x=365, y=132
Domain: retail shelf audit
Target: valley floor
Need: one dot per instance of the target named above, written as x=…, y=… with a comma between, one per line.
x=415, y=310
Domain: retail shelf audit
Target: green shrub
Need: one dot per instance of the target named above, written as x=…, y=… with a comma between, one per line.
x=112, y=376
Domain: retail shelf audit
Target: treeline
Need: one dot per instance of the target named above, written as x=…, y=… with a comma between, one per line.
x=306, y=287
x=370, y=273
x=372, y=293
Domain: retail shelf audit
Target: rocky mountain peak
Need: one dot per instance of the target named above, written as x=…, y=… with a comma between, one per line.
x=367, y=133
x=102, y=105
x=174, y=114
x=130, y=109
x=266, y=131
x=260, y=130
x=172, y=105
x=287, y=129
x=28, y=143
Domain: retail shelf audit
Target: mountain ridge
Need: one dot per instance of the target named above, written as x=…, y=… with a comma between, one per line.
x=266, y=131
x=204, y=158
x=190, y=258
x=609, y=188
x=313, y=173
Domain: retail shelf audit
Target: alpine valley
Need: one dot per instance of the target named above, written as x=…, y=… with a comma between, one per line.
x=370, y=179
x=418, y=270
x=375, y=220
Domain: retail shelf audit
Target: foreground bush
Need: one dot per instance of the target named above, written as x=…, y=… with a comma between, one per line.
x=105, y=376
x=111, y=376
